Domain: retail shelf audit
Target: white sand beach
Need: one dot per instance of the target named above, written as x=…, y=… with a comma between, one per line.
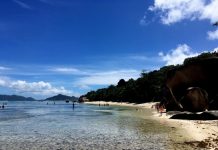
x=203, y=134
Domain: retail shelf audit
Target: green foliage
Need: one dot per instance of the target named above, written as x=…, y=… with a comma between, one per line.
x=200, y=57
x=121, y=83
x=144, y=89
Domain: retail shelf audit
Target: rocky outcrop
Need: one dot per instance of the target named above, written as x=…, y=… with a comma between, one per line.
x=201, y=73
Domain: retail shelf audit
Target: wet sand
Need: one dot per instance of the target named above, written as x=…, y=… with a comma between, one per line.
x=191, y=133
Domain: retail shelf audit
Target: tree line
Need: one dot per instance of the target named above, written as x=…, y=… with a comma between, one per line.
x=147, y=88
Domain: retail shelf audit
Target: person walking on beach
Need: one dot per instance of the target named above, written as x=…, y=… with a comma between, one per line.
x=161, y=110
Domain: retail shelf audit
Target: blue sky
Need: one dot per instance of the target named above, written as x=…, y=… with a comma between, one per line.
x=74, y=46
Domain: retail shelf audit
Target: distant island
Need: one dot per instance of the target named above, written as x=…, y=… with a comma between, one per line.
x=15, y=98
x=58, y=97
x=61, y=97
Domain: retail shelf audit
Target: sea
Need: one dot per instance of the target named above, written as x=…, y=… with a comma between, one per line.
x=42, y=125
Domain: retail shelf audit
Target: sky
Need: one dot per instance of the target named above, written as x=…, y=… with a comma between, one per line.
x=70, y=47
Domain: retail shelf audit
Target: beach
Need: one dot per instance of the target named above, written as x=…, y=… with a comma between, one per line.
x=196, y=133
x=38, y=125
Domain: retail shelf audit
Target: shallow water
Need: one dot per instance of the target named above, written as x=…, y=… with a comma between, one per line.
x=36, y=125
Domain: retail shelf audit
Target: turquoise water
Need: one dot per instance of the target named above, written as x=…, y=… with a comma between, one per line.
x=36, y=125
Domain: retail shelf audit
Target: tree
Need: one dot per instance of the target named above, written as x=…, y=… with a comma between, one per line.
x=149, y=87
x=121, y=83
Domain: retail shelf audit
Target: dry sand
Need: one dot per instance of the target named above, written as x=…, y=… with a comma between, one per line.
x=198, y=134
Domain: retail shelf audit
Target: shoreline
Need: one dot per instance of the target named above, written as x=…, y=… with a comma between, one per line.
x=197, y=133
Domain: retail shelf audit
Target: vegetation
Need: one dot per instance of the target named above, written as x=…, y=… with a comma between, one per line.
x=144, y=89
x=202, y=56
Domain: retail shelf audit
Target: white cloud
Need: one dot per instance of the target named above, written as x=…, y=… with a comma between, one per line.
x=83, y=87
x=215, y=50
x=2, y=68
x=107, y=78
x=210, y=11
x=173, y=11
x=37, y=88
x=143, y=21
x=178, y=55
x=65, y=70
x=3, y=81
x=212, y=35
x=22, y=4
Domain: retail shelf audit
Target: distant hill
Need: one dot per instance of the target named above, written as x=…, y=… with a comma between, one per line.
x=15, y=98
x=61, y=97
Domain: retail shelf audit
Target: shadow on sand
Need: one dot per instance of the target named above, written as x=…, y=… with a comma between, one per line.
x=194, y=116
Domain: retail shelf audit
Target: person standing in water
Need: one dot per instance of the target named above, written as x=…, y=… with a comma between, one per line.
x=73, y=105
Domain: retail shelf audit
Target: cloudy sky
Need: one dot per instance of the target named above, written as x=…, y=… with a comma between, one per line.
x=70, y=47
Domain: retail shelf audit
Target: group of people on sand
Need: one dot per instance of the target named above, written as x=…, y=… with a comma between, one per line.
x=160, y=108
x=103, y=104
